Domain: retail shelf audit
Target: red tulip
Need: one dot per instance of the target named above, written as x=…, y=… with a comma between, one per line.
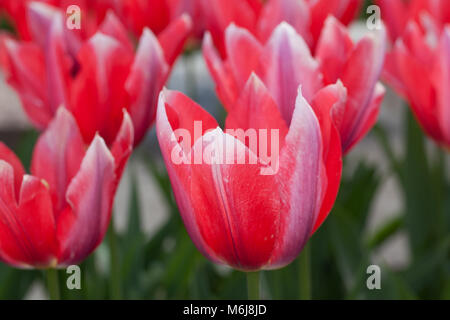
x=418, y=67
x=93, y=12
x=241, y=206
x=398, y=13
x=218, y=14
x=60, y=213
x=306, y=16
x=358, y=66
x=284, y=62
x=94, y=79
x=139, y=14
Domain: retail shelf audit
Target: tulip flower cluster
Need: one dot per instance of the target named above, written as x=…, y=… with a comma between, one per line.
x=418, y=67
x=284, y=69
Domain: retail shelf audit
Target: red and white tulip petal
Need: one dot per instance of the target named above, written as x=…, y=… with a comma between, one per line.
x=333, y=50
x=236, y=208
x=179, y=174
x=182, y=113
x=325, y=103
x=82, y=226
x=256, y=110
x=299, y=180
x=123, y=145
x=112, y=27
x=173, y=38
x=27, y=227
x=287, y=63
x=419, y=90
x=219, y=14
x=394, y=15
x=369, y=118
x=26, y=73
x=243, y=53
x=442, y=83
x=154, y=14
x=296, y=13
x=97, y=95
x=8, y=156
x=360, y=79
x=344, y=10
x=146, y=79
x=226, y=86
x=48, y=29
x=57, y=156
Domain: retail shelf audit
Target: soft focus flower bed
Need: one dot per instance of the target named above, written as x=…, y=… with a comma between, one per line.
x=261, y=188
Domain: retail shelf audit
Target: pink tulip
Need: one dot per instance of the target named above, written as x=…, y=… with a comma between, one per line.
x=398, y=13
x=94, y=79
x=284, y=62
x=59, y=214
x=236, y=212
x=306, y=16
x=418, y=67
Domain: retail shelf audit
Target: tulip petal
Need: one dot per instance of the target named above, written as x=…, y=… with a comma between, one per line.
x=360, y=79
x=256, y=110
x=81, y=228
x=286, y=64
x=58, y=155
x=173, y=38
x=370, y=117
x=441, y=82
x=243, y=53
x=27, y=228
x=301, y=168
x=27, y=75
x=344, y=10
x=296, y=13
x=111, y=26
x=47, y=26
x=236, y=208
x=97, y=92
x=219, y=14
x=146, y=79
x=8, y=156
x=325, y=104
x=420, y=90
x=395, y=16
x=183, y=113
x=123, y=145
x=180, y=174
x=226, y=87
x=333, y=50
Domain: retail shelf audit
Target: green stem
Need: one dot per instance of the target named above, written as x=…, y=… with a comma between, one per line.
x=305, y=273
x=115, y=286
x=253, y=285
x=52, y=283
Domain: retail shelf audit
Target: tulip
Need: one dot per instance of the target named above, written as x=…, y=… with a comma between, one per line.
x=284, y=62
x=59, y=214
x=139, y=14
x=306, y=16
x=418, y=68
x=218, y=14
x=259, y=213
x=397, y=13
x=94, y=79
x=93, y=12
